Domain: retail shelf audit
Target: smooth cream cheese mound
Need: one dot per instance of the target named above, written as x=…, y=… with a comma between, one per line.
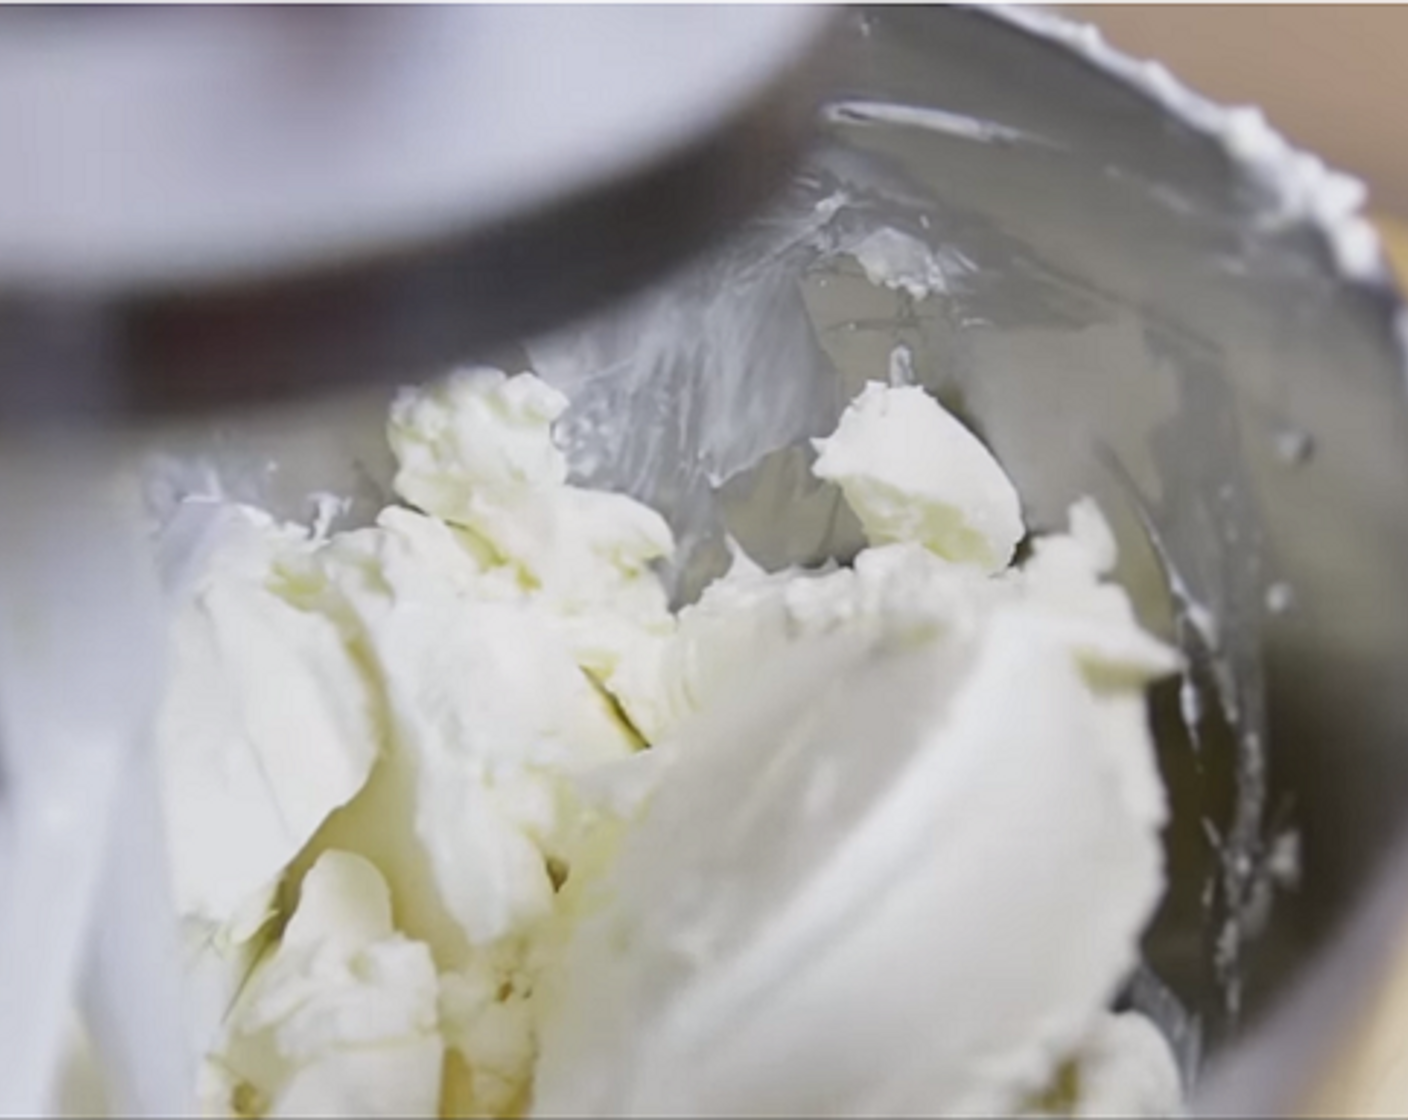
x=486, y=667
x=951, y=851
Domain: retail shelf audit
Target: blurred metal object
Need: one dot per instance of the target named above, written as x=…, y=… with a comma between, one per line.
x=206, y=207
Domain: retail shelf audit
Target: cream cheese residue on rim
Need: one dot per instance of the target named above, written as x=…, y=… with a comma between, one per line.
x=1300, y=188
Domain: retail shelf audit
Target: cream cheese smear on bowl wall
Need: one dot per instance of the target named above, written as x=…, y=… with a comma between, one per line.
x=467, y=820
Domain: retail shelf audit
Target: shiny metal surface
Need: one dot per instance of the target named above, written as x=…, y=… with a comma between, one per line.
x=1124, y=317
x=216, y=206
x=1144, y=330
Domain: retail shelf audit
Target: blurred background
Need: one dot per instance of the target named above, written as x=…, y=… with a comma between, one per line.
x=1333, y=78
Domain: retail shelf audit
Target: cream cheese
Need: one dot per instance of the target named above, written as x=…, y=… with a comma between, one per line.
x=341, y=1019
x=455, y=698
x=999, y=795
x=1298, y=187
x=483, y=703
x=1125, y=1068
x=266, y=727
x=477, y=451
x=740, y=621
x=912, y=472
x=1007, y=786
x=265, y=730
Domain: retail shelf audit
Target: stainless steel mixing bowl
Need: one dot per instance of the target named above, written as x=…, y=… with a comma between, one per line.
x=1144, y=299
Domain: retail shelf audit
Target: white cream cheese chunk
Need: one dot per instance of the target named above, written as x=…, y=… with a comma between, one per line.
x=912, y=472
x=466, y=440
x=486, y=1015
x=1064, y=584
x=476, y=450
x=1124, y=1068
x=341, y=1020
x=484, y=704
x=266, y=728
